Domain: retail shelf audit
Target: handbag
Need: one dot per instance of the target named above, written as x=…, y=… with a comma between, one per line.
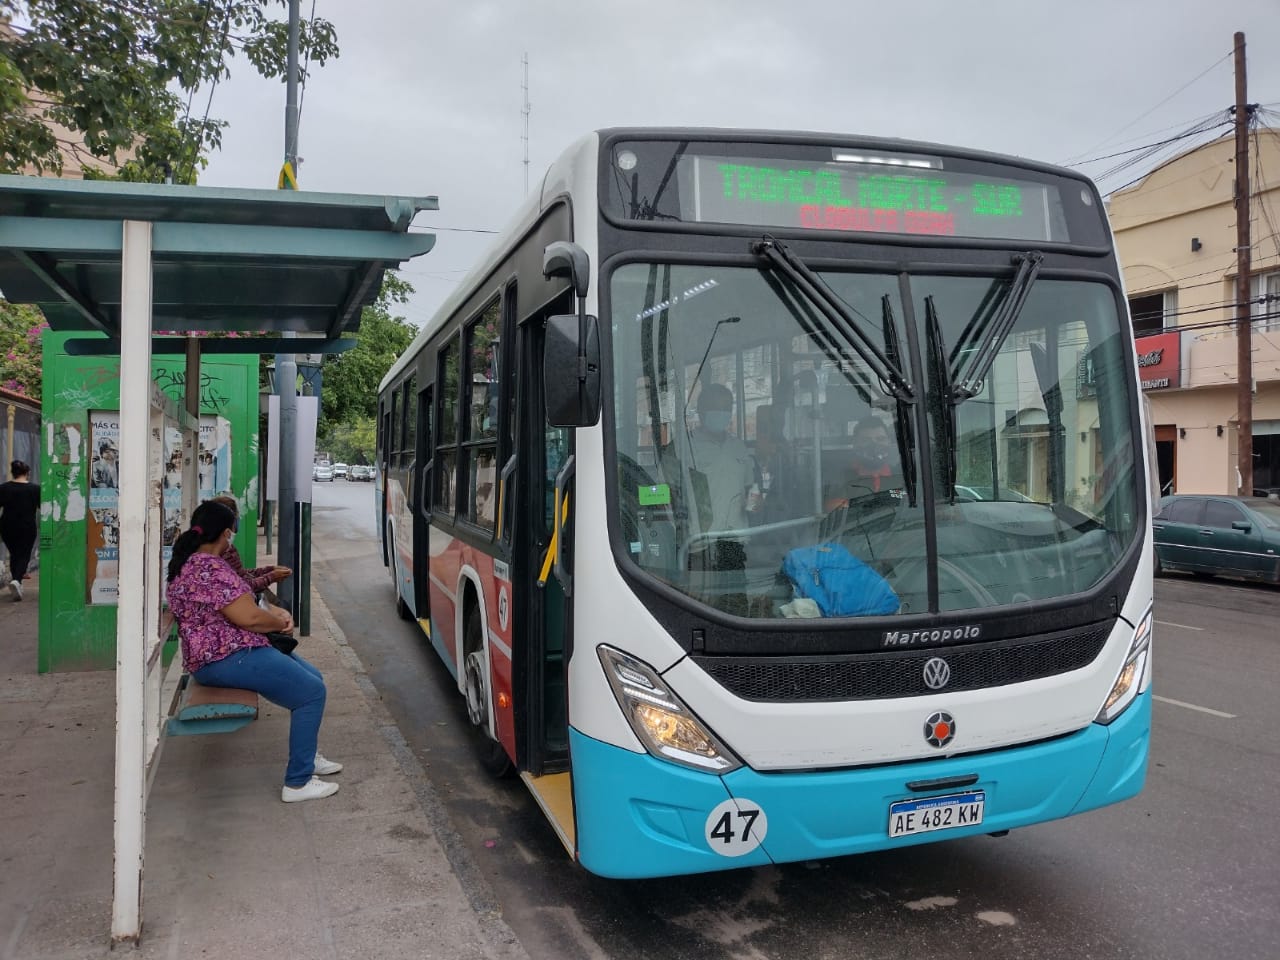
x=283, y=642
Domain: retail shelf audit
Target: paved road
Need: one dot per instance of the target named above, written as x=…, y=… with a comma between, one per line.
x=1189, y=869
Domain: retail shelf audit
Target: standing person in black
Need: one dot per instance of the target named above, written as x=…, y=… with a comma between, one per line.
x=19, y=508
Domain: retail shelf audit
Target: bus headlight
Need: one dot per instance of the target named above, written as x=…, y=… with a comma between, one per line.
x=1135, y=676
x=664, y=725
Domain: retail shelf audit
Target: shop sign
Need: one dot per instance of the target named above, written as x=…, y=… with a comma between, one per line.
x=1160, y=361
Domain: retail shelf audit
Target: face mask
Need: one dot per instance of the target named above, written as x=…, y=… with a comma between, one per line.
x=717, y=421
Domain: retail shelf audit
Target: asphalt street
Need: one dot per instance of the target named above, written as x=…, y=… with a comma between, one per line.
x=1186, y=870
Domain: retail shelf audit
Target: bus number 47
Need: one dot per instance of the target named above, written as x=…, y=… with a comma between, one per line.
x=723, y=830
x=734, y=827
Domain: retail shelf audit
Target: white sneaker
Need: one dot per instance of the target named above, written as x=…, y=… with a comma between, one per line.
x=313, y=789
x=326, y=767
x=15, y=588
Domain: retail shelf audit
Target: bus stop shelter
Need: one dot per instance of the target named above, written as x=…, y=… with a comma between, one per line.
x=156, y=268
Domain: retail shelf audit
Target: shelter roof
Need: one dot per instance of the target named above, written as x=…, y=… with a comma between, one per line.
x=223, y=260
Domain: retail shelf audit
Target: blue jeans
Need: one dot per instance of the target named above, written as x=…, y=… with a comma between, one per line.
x=287, y=681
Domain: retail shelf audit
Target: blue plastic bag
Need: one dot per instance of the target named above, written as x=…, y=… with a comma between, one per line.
x=838, y=582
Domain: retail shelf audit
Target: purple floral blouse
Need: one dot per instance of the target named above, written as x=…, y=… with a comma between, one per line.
x=196, y=596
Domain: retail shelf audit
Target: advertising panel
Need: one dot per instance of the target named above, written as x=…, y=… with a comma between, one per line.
x=1160, y=360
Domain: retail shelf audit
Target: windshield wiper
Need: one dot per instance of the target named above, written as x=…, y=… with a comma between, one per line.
x=993, y=333
x=944, y=387
x=815, y=289
x=992, y=321
x=902, y=413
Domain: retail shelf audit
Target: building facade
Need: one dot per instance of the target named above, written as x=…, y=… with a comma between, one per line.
x=1176, y=236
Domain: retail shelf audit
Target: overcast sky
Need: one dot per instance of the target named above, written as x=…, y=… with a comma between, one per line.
x=426, y=96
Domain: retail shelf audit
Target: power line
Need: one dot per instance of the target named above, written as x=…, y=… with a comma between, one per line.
x=1142, y=116
x=1187, y=132
x=1161, y=166
x=1213, y=122
x=204, y=30
x=226, y=28
x=306, y=63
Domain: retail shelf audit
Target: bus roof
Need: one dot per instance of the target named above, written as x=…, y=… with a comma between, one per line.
x=584, y=150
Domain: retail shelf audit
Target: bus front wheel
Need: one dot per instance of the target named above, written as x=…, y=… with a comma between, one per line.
x=492, y=754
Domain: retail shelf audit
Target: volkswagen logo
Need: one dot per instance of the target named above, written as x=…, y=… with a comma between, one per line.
x=940, y=729
x=937, y=673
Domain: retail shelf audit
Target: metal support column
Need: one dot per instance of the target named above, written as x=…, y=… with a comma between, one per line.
x=134, y=590
x=287, y=548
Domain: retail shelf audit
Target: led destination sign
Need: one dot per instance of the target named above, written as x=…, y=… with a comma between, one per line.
x=893, y=195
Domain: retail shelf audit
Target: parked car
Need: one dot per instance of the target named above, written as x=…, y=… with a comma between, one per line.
x=360, y=471
x=1211, y=535
x=339, y=471
x=322, y=472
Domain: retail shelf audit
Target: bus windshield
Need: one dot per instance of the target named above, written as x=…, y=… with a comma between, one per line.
x=765, y=468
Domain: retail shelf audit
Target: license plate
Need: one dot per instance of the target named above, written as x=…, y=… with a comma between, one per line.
x=910, y=817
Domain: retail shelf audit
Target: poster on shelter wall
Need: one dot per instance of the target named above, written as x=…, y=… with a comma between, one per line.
x=171, y=488
x=103, y=540
x=215, y=456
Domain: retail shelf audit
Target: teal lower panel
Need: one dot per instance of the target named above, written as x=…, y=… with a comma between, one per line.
x=642, y=817
x=1123, y=769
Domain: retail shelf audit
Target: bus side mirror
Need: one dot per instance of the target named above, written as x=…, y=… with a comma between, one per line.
x=571, y=372
x=564, y=258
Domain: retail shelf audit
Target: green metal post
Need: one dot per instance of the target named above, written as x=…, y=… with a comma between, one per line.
x=303, y=618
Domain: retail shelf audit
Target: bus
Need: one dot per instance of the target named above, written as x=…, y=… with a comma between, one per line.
x=779, y=496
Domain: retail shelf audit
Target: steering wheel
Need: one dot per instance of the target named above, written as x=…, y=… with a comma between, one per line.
x=948, y=573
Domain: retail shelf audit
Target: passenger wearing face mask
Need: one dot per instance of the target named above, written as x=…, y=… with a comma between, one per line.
x=723, y=478
x=872, y=466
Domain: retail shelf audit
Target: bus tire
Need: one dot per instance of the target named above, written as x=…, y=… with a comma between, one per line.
x=402, y=608
x=492, y=754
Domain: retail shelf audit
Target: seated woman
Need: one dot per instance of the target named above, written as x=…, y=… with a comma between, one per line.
x=224, y=644
x=259, y=578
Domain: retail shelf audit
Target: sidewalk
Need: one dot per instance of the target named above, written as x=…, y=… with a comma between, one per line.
x=373, y=872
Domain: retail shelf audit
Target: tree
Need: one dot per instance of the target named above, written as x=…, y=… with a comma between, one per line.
x=353, y=441
x=20, y=363
x=350, y=391
x=113, y=82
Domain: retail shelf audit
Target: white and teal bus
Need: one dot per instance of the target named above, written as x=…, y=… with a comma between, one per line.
x=778, y=496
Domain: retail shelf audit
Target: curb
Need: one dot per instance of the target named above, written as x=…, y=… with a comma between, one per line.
x=479, y=894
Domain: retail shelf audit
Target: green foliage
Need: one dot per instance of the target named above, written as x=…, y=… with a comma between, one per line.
x=20, y=357
x=350, y=391
x=353, y=441
x=114, y=81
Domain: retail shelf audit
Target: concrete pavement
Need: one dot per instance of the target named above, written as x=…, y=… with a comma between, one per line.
x=374, y=871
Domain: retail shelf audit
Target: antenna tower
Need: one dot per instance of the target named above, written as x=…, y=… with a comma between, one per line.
x=524, y=109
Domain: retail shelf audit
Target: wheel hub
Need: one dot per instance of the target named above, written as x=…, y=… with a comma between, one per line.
x=477, y=702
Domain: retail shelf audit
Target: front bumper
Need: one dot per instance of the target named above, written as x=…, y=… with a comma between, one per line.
x=642, y=817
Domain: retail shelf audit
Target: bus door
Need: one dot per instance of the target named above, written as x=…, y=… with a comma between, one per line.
x=420, y=505
x=383, y=463
x=540, y=677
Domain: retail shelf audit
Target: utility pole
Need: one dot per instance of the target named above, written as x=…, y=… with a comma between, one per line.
x=524, y=110
x=1244, y=310
x=286, y=365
